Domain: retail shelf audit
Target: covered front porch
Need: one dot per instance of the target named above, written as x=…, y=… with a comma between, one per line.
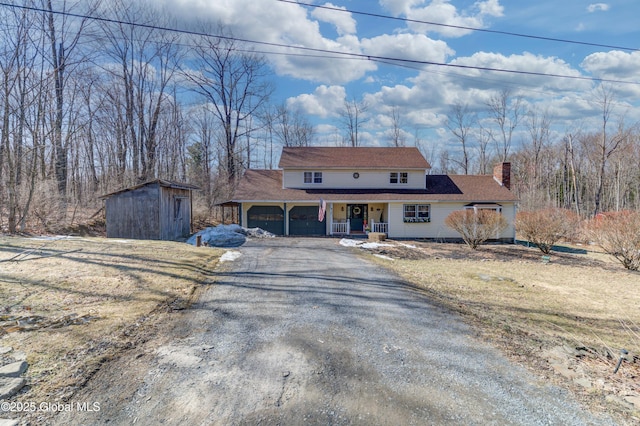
x=357, y=218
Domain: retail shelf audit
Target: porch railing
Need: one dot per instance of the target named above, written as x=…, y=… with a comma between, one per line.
x=380, y=227
x=340, y=228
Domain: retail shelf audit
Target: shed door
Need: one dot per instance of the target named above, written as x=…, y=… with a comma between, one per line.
x=303, y=220
x=181, y=216
x=269, y=218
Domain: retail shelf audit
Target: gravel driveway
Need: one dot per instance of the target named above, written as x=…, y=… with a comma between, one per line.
x=304, y=331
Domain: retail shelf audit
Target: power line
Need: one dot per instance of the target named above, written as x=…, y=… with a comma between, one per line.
x=460, y=27
x=336, y=54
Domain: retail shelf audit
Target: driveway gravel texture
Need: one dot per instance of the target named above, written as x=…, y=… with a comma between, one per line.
x=305, y=331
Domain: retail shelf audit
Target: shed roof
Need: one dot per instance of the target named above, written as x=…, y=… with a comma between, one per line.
x=162, y=182
x=266, y=185
x=352, y=157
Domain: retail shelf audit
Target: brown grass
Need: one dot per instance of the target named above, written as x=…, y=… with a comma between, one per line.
x=71, y=304
x=527, y=307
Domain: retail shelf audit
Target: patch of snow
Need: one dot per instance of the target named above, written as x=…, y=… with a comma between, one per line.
x=408, y=245
x=52, y=237
x=257, y=233
x=228, y=235
x=230, y=256
x=382, y=256
x=349, y=243
x=363, y=244
x=375, y=245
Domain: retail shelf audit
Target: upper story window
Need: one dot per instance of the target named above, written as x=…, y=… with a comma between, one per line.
x=398, y=177
x=312, y=177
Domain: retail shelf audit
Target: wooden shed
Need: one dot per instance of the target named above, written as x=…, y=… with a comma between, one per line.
x=155, y=210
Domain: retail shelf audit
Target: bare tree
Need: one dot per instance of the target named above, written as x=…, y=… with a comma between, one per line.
x=460, y=123
x=483, y=137
x=353, y=117
x=234, y=83
x=20, y=90
x=570, y=174
x=539, y=126
x=608, y=143
x=506, y=113
x=201, y=151
x=397, y=136
x=64, y=35
x=147, y=60
x=291, y=128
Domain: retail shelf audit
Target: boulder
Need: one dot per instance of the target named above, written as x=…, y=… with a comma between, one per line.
x=15, y=369
x=9, y=386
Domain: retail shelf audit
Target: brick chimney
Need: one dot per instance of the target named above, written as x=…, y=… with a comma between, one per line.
x=502, y=174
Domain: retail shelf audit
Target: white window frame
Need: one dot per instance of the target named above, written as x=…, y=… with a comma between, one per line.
x=399, y=178
x=418, y=213
x=312, y=177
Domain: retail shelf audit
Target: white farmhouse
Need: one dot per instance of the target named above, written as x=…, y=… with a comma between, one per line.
x=366, y=189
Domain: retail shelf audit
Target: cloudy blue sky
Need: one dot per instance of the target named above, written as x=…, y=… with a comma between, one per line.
x=423, y=94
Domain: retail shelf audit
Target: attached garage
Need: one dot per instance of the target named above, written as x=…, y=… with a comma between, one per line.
x=269, y=218
x=303, y=220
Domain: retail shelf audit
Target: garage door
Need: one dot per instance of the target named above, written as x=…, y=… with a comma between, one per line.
x=269, y=218
x=303, y=220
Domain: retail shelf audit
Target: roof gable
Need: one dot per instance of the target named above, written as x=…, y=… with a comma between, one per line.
x=352, y=157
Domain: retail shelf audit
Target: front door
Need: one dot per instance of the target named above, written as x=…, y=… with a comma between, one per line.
x=357, y=216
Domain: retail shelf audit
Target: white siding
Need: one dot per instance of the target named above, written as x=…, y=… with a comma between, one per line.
x=368, y=179
x=437, y=228
x=394, y=216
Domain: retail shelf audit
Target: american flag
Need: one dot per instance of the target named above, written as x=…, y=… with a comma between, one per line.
x=321, y=210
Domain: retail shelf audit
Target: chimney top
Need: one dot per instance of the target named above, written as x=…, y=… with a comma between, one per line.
x=502, y=174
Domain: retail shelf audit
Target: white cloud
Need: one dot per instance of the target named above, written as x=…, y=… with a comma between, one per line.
x=490, y=8
x=326, y=101
x=616, y=65
x=286, y=24
x=598, y=7
x=399, y=7
x=523, y=64
x=409, y=46
x=344, y=22
x=443, y=12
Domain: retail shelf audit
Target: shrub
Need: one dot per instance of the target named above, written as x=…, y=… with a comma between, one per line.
x=619, y=235
x=545, y=228
x=476, y=227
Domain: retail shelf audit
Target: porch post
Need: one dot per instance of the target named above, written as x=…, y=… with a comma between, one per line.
x=285, y=225
x=330, y=219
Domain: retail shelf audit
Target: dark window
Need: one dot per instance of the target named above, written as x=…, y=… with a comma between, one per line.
x=398, y=177
x=417, y=213
x=312, y=177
